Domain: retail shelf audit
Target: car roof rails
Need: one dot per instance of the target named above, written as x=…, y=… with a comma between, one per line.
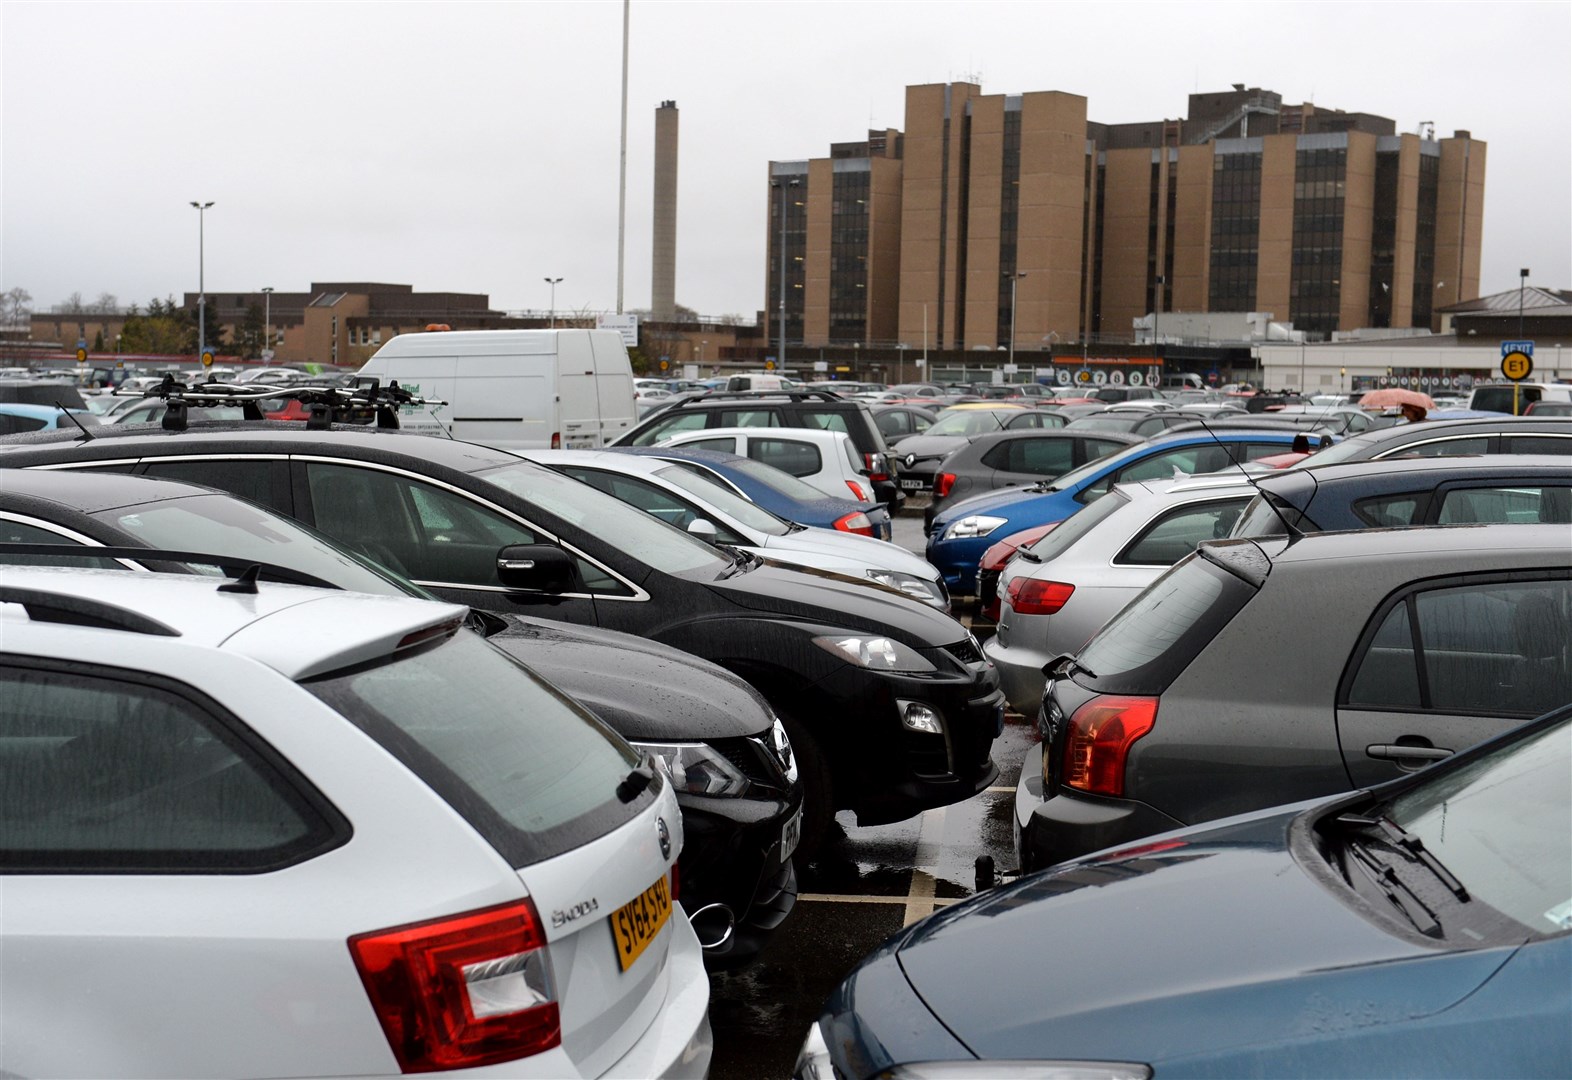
x=323, y=402
x=43, y=606
x=753, y=395
x=243, y=570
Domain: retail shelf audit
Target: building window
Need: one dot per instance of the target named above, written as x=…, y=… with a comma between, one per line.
x=1315, y=285
x=1236, y=231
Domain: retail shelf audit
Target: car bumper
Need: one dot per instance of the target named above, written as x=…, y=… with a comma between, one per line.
x=1052, y=830
x=678, y=1045
x=957, y=560
x=1020, y=674
x=885, y=772
x=732, y=856
x=880, y=519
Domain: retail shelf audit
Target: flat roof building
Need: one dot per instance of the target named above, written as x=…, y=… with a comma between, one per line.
x=1014, y=222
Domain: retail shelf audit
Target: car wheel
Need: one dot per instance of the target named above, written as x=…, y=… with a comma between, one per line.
x=818, y=795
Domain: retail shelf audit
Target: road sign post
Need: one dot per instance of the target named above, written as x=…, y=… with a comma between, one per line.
x=1517, y=364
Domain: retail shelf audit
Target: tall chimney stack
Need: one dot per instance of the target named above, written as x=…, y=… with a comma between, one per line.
x=663, y=269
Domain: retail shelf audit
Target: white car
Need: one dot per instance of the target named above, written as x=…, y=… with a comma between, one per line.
x=1055, y=593
x=683, y=498
x=826, y=460
x=288, y=832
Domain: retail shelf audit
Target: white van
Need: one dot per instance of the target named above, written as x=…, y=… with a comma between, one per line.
x=569, y=389
x=760, y=380
x=1499, y=397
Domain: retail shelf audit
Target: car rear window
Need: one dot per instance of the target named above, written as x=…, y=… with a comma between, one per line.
x=1077, y=525
x=530, y=770
x=1145, y=647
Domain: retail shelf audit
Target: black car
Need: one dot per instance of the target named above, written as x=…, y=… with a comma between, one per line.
x=41, y=392
x=1016, y=459
x=919, y=456
x=1403, y=492
x=890, y=705
x=1433, y=438
x=780, y=408
x=737, y=782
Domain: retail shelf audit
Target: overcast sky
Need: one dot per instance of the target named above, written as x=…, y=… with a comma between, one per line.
x=474, y=147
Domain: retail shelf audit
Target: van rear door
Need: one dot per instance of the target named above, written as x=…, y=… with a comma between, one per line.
x=578, y=410
x=613, y=385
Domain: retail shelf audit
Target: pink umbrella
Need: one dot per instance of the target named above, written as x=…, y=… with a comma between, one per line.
x=1396, y=395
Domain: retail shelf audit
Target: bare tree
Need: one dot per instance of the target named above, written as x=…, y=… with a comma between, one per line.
x=106, y=304
x=15, y=307
x=72, y=305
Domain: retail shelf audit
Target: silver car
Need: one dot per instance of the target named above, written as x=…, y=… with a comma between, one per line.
x=1058, y=592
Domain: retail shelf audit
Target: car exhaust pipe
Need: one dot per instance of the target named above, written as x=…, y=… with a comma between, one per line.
x=713, y=924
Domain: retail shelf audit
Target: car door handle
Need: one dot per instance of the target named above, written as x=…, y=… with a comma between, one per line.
x=1390, y=752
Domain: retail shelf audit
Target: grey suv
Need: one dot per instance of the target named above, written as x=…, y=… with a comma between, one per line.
x=1259, y=672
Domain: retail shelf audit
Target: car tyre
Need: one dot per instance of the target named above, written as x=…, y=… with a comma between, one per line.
x=818, y=794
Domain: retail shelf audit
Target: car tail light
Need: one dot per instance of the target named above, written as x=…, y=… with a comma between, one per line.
x=855, y=522
x=556, y=440
x=676, y=884
x=467, y=990
x=857, y=492
x=877, y=469
x=942, y=484
x=1028, y=596
x=1099, y=739
x=999, y=554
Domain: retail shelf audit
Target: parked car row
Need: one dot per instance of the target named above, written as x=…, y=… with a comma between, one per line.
x=1289, y=761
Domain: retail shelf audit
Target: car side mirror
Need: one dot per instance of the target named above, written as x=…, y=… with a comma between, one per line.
x=536, y=568
x=703, y=530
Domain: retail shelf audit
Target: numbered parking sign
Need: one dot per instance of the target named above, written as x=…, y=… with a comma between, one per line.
x=1136, y=379
x=1117, y=378
x=1099, y=377
x=1062, y=377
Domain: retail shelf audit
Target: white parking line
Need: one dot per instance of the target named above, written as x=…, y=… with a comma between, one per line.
x=1000, y=789
x=930, y=839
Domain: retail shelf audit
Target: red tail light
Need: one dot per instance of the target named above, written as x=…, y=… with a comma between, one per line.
x=857, y=492
x=855, y=522
x=454, y=993
x=942, y=484
x=1028, y=596
x=556, y=440
x=676, y=884
x=991, y=610
x=877, y=469
x=1100, y=736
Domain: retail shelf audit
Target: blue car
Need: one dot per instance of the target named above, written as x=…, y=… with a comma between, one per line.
x=778, y=492
x=17, y=417
x=962, y=531
x=1418, y=928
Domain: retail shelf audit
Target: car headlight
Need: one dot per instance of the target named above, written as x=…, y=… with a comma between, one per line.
x=878, y=653
x=910, y=584
x=973, y=525
x=696, y=768
x=1020, y=1070
x=782, y=747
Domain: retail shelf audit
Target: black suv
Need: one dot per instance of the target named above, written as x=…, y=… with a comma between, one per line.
x=890, y=705
x=780, y=408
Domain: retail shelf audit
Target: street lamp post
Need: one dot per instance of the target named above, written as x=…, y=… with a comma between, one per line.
x=702, y=342
x=552, y=281
x=784, y=186
x=267, y=323
x=1522, y=283
x=1014, y=278
x=201, y=209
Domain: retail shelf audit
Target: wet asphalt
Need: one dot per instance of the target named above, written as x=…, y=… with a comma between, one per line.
x=862, y=888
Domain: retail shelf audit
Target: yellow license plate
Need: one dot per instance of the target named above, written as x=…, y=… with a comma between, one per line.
x=635, y=924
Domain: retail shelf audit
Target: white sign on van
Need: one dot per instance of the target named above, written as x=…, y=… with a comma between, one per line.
x=626, y=325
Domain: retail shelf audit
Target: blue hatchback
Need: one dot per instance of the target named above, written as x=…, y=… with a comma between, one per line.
x=778, y=492
x=961, y=532
x=1419, y=928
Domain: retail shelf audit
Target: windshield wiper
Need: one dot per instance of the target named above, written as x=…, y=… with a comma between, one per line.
x=1028, y=555
x=741, y=562
x=1412, y=845
x=1389, y=885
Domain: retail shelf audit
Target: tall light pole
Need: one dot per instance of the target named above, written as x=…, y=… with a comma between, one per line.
x=267, y=323
x=702, y=342
x=1522, y=283
x=552, y=281
x=785, y=186
x=1014, y=279
x=201, y=209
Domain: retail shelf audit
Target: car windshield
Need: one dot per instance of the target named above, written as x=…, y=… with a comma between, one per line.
x=1098, y=466
x=1499, y=825
x=533, y=772
x=782, y=483
x=724, y=500
x=972, y=422
x=627, y=528
x=225, y=525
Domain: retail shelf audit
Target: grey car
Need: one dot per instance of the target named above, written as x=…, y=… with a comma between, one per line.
x=1258, y=672
x=1016, y=459
x=919, y=456
x=1058, y=592
x=1402, y=492
x=1433, y=438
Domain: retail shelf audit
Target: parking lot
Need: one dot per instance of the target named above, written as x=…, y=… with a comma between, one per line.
x=867, y=884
